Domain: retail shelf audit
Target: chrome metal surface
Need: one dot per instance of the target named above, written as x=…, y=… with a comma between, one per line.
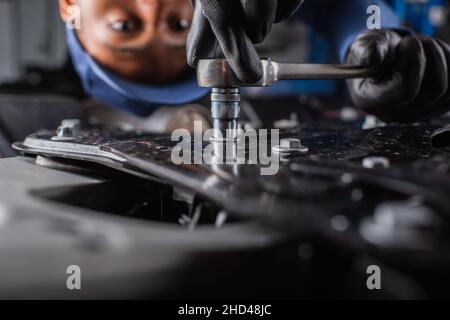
x=225, y=110
x=290, y=145
x=376, y=162
x=68, y=130
x=217, y=73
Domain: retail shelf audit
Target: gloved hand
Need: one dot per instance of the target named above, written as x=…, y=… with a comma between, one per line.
x=234, y=26
x=412, y=79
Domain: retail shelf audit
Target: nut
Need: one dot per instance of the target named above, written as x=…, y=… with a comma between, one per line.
x=290, y=145
x=68, y=130
x=376, y=163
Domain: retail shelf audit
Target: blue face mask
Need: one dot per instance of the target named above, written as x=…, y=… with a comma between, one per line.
x=115, y=91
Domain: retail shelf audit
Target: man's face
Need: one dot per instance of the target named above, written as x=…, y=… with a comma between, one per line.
x=141, y=40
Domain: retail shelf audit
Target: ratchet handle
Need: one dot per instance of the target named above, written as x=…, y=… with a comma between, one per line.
x=217, y=73
x=295, y=71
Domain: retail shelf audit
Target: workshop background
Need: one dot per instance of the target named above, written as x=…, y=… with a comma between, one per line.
x=32, y=34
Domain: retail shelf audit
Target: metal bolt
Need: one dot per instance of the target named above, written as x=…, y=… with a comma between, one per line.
x=290, y=145
x=372, y=122
x=68, y=130
x=405, y=215
x=406, y=225
x=376, y=163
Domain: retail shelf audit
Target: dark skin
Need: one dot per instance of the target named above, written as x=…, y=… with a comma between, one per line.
x=140, y=40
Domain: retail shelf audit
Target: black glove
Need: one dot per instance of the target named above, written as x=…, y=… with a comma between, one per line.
x=412, y=80
x=234, y=26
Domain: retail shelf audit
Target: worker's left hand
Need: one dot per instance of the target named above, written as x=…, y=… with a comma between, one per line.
x=412, y=79
x=233, y=26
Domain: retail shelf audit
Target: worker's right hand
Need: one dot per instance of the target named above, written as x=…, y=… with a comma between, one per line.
x=234, y=26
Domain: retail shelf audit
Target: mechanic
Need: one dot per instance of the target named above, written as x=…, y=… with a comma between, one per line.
x=131, y=54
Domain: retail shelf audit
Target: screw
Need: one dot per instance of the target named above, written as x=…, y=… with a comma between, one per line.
x=376, y=163
x=405, y=215
x=290, y=145
x=68, y=130
x=372, y=122
x=405, y=225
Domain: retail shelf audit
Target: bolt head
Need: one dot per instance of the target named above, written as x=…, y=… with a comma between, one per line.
x=376, y=163
x=71, y=123
x=68, y=130
x=291, y=143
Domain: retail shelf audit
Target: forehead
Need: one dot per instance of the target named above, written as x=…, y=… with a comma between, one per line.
x=128, y=4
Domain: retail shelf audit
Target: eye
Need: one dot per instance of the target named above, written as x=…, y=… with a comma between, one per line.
x=123, y=26
x=178, y=24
